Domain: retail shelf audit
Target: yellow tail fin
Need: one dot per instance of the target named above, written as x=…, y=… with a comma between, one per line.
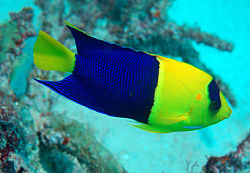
x=49, y=54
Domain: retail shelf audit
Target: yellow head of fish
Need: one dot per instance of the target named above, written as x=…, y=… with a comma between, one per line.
x=186, y=98
x=210, y=106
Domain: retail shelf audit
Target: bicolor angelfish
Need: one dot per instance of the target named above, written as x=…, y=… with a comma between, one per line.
x=162, y=95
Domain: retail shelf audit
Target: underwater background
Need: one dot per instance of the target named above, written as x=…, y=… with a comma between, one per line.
x=41, y=131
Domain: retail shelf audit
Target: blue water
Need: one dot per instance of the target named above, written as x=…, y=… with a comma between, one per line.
x=139, y=151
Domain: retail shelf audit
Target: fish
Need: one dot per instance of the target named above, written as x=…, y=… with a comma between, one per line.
x=157, y=94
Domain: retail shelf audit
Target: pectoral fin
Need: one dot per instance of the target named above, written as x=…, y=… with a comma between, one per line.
x=161, y=120
x=173, y=120
x=151, y=129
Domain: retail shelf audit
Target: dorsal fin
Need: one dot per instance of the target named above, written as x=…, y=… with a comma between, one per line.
x=88, y=46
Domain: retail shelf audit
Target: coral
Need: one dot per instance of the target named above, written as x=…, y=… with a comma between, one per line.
x=190, y=168
x=13, y=33
x=237, y=161
x=16, y=139
x=198, y=36
x=68, y=139
x=8, y=134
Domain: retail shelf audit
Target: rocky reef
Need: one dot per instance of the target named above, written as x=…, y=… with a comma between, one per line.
x=237, y=161
x=33, y=140
x=36, y=138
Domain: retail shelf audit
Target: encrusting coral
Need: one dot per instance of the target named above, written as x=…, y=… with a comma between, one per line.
x=237, y=161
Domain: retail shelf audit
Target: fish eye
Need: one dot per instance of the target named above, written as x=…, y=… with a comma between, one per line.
x=214, y=96
x=215, y=105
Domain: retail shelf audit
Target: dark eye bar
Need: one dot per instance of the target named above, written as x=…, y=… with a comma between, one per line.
x=214, y=95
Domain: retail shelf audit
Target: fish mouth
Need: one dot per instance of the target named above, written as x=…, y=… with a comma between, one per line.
x=230, y=112
x=227, y=114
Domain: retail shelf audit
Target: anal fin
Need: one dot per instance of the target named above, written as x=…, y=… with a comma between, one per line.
x=150, y=128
